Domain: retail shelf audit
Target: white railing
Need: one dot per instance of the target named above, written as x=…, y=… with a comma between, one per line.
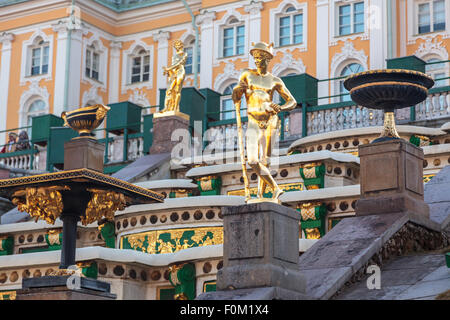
x=23, y=161
x=135, y=149
x=342, y=118
x=437, y=105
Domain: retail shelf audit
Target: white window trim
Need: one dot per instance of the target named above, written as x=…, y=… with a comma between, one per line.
x=219, y=27
x=278, y=12
x=127, y=63
x=103, y=63
x=413, y=22
x=25, y=65
x=334, y=22
x=33, y=93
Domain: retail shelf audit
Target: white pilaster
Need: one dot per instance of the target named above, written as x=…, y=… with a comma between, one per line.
x=73, y=71
x=205, y=21
x=162, y=37
x=378, y=34
x=114, y=80
x=254, y=11
x=6, y=40
x=322, y=57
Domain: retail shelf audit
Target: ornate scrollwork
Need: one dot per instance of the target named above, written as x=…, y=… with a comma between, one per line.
x=43, y=203
x=103, y=203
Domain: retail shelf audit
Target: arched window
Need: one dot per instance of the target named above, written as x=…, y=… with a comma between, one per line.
x=227, y=105
x=36, y=108
x=190, y=58
x=140, y=66
x=290, y=26
x=39, y=57
x=437, y=71
x=348, y=70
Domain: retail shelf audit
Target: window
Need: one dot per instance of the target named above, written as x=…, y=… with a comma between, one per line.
x=436, y=71
x=189, y=61
x=39, y=58
x=431, y=16
x=140, y=70
x=233, y=39
x=227, y=105
x=92, y=63
x=351, y=18
x=348, y=70
x=37, y=108
x=290, y=28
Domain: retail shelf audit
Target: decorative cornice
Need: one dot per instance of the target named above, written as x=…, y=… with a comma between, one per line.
x=431, y=45
x=228, y=73
x=348, y=51
x=289, y=63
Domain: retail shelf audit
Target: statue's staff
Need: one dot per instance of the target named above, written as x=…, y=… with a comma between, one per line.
x=238, y=92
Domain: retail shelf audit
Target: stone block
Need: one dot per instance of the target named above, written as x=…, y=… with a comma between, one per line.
x=84, y=153
x=391, y=178
x=260, y=248
x=163, y=127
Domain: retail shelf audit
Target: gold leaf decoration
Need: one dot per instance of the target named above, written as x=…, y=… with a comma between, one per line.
x=43, y=203
x=103, y=203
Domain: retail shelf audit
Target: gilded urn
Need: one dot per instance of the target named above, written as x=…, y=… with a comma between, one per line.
x=388, y=89
x=85, y=120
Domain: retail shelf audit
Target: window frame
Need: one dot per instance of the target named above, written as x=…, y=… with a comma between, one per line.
x=277, y=13
x=352, y=18
x=190, y=46
x=234, y=26
x=141, y=56
x=26, y=61
x=91, y=52
x=431, y=17
x=291, y=15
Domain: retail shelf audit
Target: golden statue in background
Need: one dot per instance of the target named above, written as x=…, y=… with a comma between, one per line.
x=258, y=86
x=175, y=74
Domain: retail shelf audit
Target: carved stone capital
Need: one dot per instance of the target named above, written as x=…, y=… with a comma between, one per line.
x=254, y=8
x=206, y=18
x=161, y=36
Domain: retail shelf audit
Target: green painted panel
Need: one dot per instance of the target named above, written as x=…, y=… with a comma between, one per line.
x=55, y=149
x=41, y=125
x=408, y=62
x=148, y=132
x=123, y=115
x=192, y=103
x=303, y=87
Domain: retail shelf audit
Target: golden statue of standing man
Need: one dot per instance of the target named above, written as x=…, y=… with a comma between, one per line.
x=258, y=86
x=175, y=74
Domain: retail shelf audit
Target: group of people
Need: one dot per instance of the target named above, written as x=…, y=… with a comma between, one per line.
x=16, y=142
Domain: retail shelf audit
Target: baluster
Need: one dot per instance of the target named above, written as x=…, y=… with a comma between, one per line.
x=321, y=121
x=428, y=108
x=315, y=122
x=353, y=117
x=327, y=120
x=333, y=119
x=436, y=105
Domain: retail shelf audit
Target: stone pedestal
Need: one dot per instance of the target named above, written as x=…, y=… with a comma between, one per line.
x=163, y=127
x=391, y=179
x=261, y=249
x=55, y=288
x=84, y=153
